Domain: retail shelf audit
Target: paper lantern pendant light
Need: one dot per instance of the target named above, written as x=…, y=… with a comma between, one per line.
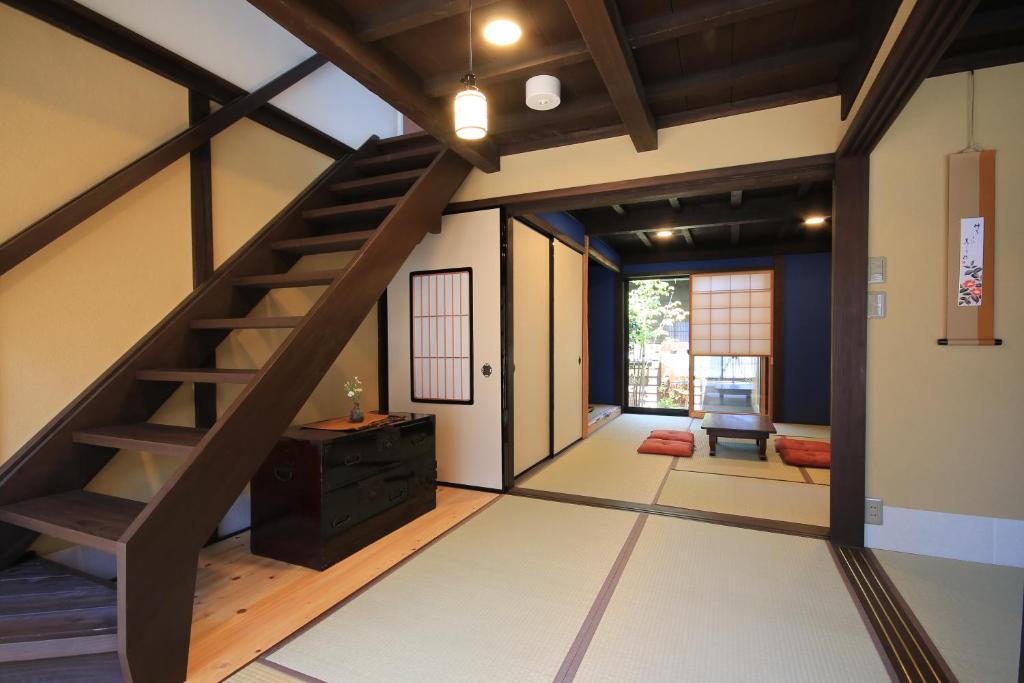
x=470, y=103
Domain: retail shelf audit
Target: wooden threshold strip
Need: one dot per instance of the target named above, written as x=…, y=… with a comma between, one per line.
x=911, y=653
x=772, y=525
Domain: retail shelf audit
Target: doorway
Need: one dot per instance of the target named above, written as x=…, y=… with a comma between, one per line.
x=658, y=345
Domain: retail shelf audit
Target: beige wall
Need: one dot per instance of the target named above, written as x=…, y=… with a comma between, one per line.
x=943, y=430
x=782, y=133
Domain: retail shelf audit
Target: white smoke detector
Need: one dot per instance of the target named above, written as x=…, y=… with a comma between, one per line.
x=543, y=93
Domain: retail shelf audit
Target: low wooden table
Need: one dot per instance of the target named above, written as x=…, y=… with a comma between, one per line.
x=756, y=427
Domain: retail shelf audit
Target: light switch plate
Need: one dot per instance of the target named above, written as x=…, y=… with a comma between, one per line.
x=876, y=270
x=876, y=304
x=872, y=510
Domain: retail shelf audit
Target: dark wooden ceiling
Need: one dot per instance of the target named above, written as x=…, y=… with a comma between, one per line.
x=694, y=59
x=993, y=36
x=765, y=221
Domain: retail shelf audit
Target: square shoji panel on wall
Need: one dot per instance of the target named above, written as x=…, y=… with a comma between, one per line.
x=442, y=336
x=731, y=314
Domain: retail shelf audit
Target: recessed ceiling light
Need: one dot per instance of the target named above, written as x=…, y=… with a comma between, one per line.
x=502, y=32
x=663, y=233
x=815, y=220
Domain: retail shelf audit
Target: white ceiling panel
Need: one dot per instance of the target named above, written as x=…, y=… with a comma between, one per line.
x=237, y=42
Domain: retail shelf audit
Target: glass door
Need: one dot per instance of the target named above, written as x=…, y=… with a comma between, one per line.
x=658, y=362
x=728, y=384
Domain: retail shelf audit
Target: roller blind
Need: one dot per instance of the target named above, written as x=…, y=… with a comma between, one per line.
x=731, y=314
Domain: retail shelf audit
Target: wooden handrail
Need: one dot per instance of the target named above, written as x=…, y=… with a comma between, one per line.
x=50, y=227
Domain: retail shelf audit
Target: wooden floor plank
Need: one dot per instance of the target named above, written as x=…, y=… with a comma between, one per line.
x=246, y=604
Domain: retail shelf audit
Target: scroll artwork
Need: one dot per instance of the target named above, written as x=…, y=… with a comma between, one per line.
x=970, y=261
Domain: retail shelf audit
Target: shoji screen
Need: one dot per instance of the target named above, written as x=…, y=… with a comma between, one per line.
x=731, y=314
x=568, y=353
x=531, y=346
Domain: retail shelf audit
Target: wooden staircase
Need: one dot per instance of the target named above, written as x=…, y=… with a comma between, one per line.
x=379, y=202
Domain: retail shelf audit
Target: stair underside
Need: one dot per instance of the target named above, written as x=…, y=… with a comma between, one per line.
x=199, y=375
x=400, y=180
x=145, y=436
x=398, y=161
x=289, y=279
x=353, y=210
x=246, y=323
x=84, y=517
x=99, y=668
x=49, y=611
x=323, y=244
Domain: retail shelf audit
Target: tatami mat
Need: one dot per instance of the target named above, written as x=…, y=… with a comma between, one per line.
x=607, y=465
x=971, y=611
x=258, y=672
x=702, y=602
x=499, y=599
x=762, y=498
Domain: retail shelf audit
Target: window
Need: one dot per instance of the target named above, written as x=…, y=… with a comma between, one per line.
x=732, y=314
x=442, y=335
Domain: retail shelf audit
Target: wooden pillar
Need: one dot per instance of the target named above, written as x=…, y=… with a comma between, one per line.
x=201, y=186
x=585, y=358
x=849, y=347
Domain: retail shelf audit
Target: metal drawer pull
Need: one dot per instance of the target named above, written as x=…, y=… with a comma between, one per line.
x=352, y=458
x=284, y=472
x=335, y=523
x=397, y=493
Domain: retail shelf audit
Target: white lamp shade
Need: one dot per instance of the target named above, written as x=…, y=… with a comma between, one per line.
x=470, y=114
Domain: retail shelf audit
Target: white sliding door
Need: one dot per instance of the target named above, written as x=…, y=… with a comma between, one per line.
x=568, y=338
x=439, y=344
x=531, y=346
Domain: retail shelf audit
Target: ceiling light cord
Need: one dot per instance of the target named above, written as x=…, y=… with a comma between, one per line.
x=471, y=36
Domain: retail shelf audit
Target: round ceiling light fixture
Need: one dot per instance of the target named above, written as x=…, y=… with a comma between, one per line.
x=543, y=93
x=663, y=234
x=815, y=221
x=502, y=32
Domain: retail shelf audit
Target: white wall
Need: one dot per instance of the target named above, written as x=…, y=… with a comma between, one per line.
x=237, y=42
x=468, y=436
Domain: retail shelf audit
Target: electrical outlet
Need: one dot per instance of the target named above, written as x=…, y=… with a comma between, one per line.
x=872, y=510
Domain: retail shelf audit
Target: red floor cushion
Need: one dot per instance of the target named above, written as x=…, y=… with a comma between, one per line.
x=787, y=443
x=671, y=435
x=804, y=458
x=678, y=449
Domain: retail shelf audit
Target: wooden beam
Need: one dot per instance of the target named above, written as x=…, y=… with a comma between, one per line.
x=325, y=29
x=764, y=210
x=642, y=236
x=849, y=349
x=928, y=32
x=410, y=14
x=688, y=238
x=809, y=247
x=875, y=22
x=765, y=174
x=617, y=208
x=540, y=61
x=735, y=198
x=46, y=229
x=599, y=23
x=674, y=203
x=981, y=59
x=675, y=89
x=84, y=23
x=734, y=234
x=697, y=17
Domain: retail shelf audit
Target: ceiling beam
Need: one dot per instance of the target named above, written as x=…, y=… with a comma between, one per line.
x=688, y=236
x=734, y=234
x=326, y=30
x=807, y=247
x=405, y=16
x=677, y=88
x=642, y=236
x=874, y=24
x=767, y=210
x=617, y=208
x=924, y=38
x=599, y=23
x=735, y=198
x=674, y=203
x=540, y=61
x=701, y=16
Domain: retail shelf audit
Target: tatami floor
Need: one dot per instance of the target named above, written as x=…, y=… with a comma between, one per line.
x=735, y=481
x=533, y=590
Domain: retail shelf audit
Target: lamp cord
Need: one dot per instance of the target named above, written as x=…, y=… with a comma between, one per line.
x=972, y=146
x=471, y=37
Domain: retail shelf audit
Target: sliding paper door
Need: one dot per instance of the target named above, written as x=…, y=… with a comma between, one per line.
x=568, y=345
x=531, y=346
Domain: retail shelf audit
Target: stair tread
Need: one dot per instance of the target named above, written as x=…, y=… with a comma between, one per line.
x=96, y=668
x=351, y=209
x=144, y=436
x=92, y=519
x=340, y=241
x=397, y=178
x=199, y=375
x=417, y=156
x=246, y=323
x=67, y=622
x=289, y=279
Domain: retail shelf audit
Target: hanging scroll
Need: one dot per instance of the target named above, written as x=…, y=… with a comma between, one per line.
x=970, y=249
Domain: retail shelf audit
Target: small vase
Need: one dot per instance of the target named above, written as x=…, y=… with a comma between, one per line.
x=357, y=413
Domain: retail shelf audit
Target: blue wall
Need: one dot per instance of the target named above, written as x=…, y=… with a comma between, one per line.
x=807, y=337
x=603, y=327
x=806, y=327
x=568, y=224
